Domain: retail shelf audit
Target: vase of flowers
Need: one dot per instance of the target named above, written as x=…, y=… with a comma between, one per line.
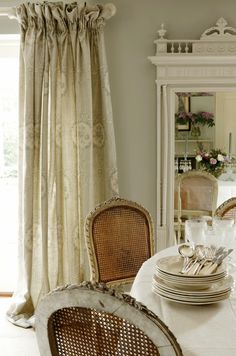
x=203, y=118
x=195, y=131
x=189, y=119
x=213, y=161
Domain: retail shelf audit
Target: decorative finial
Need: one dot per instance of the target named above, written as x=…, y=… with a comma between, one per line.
x=108, y=11
x=221, y=22
x=162, y=32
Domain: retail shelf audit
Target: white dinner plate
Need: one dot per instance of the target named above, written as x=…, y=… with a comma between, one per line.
x=191, y=302
x=189, y=279
x=189, y=284
x=192, y=278
x=226, y=284
x=173, y=264
x=191, y=298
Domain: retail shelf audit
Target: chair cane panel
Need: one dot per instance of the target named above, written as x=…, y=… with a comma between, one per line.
x=121, y=235
x=99, y=333
x=119, y=238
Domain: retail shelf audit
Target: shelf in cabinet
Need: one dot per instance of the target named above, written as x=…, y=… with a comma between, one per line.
x=189, y=140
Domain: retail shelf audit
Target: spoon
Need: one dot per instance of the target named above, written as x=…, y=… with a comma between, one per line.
x=193, y=263
x=187, y=252
x=198, y=257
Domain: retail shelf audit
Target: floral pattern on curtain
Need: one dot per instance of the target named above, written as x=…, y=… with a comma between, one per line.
x=67, y=158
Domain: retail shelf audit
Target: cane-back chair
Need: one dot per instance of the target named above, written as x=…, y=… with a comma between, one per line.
x=227, y=210
x=197, y=193
x=93, y=320
x=119, y=238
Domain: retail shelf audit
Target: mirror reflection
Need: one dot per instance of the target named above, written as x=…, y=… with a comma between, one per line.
x=205, y=122
x=205, y=141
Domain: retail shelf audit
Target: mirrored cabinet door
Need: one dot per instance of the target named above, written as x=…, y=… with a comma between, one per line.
x=203, y=121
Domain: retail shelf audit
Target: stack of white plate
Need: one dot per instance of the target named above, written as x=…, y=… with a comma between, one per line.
x=170, y=284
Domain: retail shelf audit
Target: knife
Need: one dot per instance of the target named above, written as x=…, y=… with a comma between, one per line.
x=213, y=267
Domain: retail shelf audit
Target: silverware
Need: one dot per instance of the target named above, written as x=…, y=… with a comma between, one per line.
x=211, y=255
x=216, y=262
x=200, y=256
x=204, y=257
x=186, y=252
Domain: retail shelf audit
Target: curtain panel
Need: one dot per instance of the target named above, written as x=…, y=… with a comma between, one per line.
x=67, y=158
x=165, y=172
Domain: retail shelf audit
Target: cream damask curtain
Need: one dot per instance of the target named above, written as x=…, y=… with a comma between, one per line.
x=67, y=160
x=165, y=172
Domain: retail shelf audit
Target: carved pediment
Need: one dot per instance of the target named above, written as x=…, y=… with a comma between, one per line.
x=217, y=40
x=219, y=32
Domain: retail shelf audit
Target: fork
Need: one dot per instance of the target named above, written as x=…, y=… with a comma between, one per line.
x=204, y=255
x=217, y=261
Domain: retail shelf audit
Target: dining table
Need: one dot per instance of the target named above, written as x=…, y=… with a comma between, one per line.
x=201, y=330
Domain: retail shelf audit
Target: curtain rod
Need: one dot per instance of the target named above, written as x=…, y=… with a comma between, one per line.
x=8, y=11
x=108, y=11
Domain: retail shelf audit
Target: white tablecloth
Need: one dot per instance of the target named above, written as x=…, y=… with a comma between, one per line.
x=207, y=330
x=226, y=189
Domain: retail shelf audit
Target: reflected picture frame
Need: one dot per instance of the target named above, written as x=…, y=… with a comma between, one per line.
x=184, y=127
x=184, y=105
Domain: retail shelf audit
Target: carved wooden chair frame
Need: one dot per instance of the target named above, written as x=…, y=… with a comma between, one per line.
x=179, y=224
x=97, y=296
x=114, y=201
x=226, y=206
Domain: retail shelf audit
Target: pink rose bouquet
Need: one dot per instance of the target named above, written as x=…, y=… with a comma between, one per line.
x=212, y=161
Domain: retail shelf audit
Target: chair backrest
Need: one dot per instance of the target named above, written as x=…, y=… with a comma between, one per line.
x=93, y=320
x=119, y=238
x=197, y=193
x=227, y=210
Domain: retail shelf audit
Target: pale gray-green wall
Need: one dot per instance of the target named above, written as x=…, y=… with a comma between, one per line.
x=129, y=40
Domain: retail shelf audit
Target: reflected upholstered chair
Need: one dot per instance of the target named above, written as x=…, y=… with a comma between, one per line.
x=119, y=238
x=227, y=210
x=197, y=193
x=93, y=320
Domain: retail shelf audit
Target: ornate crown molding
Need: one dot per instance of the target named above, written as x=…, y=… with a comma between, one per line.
x=217, y=40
